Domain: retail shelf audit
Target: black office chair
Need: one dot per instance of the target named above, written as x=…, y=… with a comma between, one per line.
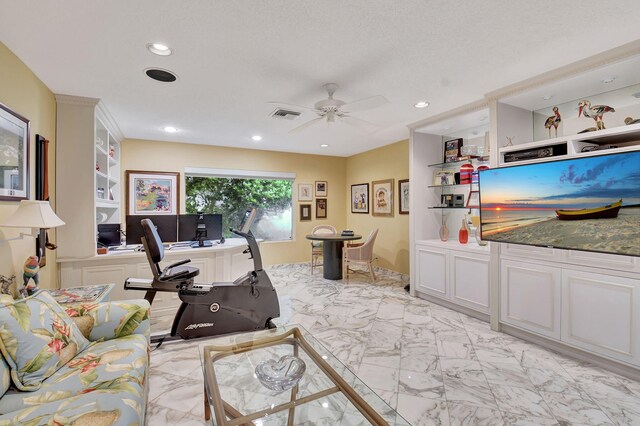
x=174, y=276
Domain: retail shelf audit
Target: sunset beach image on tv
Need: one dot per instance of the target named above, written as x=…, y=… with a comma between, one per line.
x=589, y=203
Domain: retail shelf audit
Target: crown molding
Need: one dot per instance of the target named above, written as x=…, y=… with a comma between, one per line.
x=76, y=100
x=103, y=114
x=608, y=57
x=464, y=109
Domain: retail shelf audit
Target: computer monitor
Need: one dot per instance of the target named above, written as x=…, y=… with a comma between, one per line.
x=247, y=220
x=167, y=226
x=109, y=234
x=199, y=228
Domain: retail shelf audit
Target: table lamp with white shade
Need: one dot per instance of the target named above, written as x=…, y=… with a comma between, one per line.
x=32, y=214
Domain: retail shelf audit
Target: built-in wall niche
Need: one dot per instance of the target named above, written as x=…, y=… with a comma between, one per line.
x=620, y=107
x=476, y=137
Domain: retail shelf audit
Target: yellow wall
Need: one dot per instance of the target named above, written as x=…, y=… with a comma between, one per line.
x=392, y=244
x=24, y=93
x=174, y=157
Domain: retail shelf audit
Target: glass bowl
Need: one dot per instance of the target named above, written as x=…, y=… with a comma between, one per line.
x=280, y=375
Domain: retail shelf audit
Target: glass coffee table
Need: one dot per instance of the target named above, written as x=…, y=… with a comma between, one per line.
x=327, y=393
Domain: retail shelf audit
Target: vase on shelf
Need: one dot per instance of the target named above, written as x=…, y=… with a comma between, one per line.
x=478, y=235
x=444, y=232
x=463, y=234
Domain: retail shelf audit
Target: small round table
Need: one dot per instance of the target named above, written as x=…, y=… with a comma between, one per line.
x=332, y=253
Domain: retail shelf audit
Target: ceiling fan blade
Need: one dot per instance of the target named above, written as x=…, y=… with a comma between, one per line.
x=292, y=106
x=364, y=104
x=359, y=123
x=305, y=125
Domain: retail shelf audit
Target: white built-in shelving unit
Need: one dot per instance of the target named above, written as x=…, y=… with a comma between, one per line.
x=583, y=303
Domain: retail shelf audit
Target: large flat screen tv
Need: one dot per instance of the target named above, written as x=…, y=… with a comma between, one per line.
x=590, y=203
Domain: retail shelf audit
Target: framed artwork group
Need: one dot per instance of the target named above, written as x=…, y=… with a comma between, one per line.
x=306, y=192
x=382, y=197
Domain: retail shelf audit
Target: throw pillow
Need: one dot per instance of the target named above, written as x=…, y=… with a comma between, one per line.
x=37, y=337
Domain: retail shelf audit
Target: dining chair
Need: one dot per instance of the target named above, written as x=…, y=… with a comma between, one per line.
x=316, y=246
x=360, y=253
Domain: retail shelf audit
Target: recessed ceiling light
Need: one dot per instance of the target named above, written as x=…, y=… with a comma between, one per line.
x=608, y=80
x=159, y=49
x=256, y=138
x=324, y=145
x=170, y=129
x=474, y=132
x=421, y=104
x=547, y=97
x=158, y=74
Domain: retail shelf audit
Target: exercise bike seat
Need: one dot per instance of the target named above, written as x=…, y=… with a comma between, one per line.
x=175, y=272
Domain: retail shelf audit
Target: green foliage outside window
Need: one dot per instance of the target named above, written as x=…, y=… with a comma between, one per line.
x=231, y=197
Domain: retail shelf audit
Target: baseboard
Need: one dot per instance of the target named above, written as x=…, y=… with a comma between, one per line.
x=453, y=306
x=580, y=354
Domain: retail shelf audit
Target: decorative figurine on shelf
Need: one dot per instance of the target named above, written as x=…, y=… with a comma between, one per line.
x=553, y=121
x=509, y=141
x=97, y=166
x=596, y=112
x=112, y=152
x=31, y=268
x=629, y=121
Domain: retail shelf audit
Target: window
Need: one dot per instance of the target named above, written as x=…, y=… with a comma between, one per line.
x=230, y=196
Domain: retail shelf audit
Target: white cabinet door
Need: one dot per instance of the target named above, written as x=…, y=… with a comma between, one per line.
x=600, y=314
x=431, y=271
x=469, y=275
x=530, y=297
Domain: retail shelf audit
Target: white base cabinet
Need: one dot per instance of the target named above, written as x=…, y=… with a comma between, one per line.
x=590, y=308
x=530, y=297
x=454, y=272
x=600, y=314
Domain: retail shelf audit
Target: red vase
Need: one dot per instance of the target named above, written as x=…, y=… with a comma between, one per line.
x=463, y=234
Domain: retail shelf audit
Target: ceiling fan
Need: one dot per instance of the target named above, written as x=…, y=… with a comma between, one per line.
x=330, y=110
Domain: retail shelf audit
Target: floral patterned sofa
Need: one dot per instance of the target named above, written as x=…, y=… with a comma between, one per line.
x=104, y=384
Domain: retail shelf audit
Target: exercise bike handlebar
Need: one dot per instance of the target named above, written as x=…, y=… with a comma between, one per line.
x=254, y=250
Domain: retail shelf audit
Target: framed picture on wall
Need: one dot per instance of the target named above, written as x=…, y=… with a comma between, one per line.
x=382, y=197
x=14, y=155
x=321, y=188
x=305, y=212
x=305, y=192
x=151, y=193
x=321, y=208
x=360, y=198
x=403, y=196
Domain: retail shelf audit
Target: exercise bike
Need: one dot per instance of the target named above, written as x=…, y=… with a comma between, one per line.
x=246, y=304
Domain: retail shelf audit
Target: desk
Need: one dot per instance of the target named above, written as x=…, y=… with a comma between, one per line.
x=332, y=253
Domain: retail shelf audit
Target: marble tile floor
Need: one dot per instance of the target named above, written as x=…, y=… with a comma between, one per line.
x=433, y=365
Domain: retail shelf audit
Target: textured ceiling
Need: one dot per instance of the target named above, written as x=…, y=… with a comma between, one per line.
x=233, y=57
